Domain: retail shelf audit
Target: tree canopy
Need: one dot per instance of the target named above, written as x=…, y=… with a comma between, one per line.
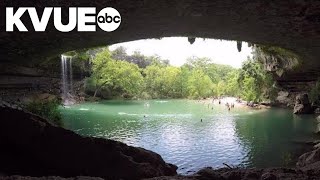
x=140, y=76
x=120, y=76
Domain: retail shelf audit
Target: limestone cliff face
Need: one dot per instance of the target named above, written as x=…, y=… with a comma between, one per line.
x=33, y=147
x=288, y=71
x=19, y=81
x=277, y=60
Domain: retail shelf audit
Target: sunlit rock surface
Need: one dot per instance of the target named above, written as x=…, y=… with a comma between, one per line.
x=31, y=146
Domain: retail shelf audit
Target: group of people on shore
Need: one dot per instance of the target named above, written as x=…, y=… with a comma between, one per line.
x=229, y=105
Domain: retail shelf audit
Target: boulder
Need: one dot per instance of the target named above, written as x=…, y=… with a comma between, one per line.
x=302, y=105
x=283, y=94
x=284, y=99
x=30, y=146
x=316, y=146
x=209, y=173
x=317, y=111
x=302, y=109
x=302, y=99
x=309, y=158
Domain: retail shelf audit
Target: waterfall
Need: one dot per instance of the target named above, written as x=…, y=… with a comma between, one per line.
x=67, y=80
x=71, y=77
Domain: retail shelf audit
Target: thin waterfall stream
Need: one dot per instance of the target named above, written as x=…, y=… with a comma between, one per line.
x=67, y=80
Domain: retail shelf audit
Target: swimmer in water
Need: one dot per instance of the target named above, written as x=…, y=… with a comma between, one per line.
x=146, y=104
x=201, y=120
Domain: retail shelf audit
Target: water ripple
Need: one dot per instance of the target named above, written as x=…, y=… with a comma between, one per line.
x=175, y=131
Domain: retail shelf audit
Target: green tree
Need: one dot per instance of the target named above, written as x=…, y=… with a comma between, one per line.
x=182, y=80
x=218, y=72
x=162, y=81
x=171, y=84
x=232, y=85
x=199, y=84
x=153, y=80
x=198, y=63
x=153, y=77
x=116, y=75
x=255, y=82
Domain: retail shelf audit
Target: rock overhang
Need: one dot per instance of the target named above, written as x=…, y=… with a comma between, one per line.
x=293, y=25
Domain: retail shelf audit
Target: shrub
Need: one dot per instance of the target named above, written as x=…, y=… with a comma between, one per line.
x=48, y=110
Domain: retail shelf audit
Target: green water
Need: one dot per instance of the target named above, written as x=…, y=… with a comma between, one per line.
x=173, y=129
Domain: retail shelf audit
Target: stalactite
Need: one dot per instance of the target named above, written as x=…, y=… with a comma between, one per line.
x=191, y=40
x=239, y=45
